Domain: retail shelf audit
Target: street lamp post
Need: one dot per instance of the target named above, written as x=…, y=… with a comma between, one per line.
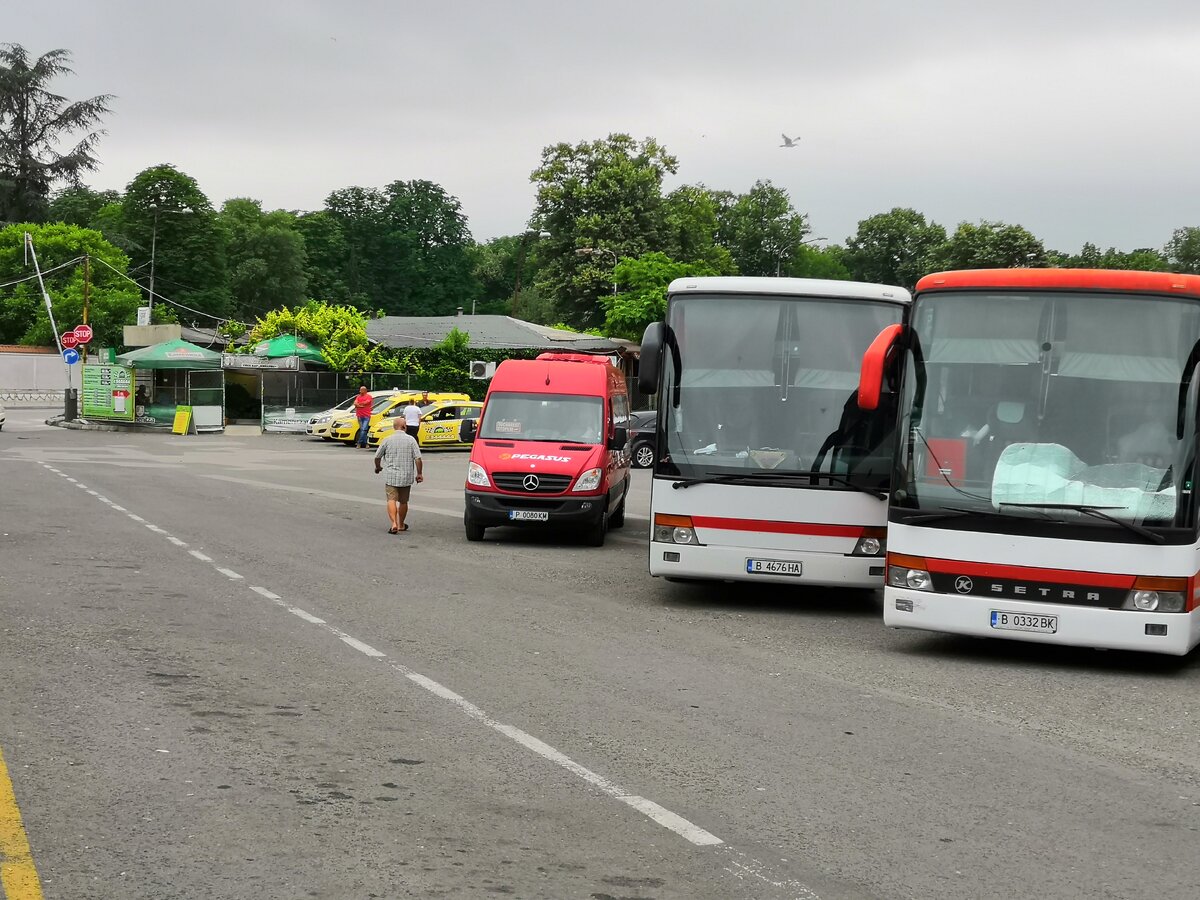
x=154, y=242
x=782, y=250
x=597, y=251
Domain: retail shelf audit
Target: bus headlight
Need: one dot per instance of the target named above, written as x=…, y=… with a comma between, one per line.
x=1149, y=594
x=908, y=572
x=872, y=542
x=675, y=530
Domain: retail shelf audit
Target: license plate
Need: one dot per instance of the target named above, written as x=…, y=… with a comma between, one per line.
x=528, y=515
x=772, y=567
x=1011, y=621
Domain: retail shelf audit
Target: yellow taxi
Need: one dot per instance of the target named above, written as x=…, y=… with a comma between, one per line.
x=345, y=428
x=441, y=424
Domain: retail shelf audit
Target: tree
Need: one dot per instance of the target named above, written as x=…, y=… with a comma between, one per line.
x=33, y=122
x=1091, y=257
x=165, y=214
x=644, y=300
x=691, y=228
x=112, y=299
x=762, y=230
x=265, y=255
x=893, y=247
x=820, y=262
x=359, y=214
x=325, y=249
x=425, y=268
x=988, y=245
x=80, y=205
x=600, y=195
x=1183, y=250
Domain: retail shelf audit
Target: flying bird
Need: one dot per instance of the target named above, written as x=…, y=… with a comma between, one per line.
x=789, y=142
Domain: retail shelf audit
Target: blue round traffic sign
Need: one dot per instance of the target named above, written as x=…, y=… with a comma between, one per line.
x=70, y=357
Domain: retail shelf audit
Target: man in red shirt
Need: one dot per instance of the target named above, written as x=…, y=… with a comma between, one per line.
x=362, y=410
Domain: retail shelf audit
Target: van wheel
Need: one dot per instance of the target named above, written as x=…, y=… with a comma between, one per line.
x=595, y=535
x=474, y=529
x=617, y=519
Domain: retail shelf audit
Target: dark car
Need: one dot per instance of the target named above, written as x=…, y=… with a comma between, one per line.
x=641, y=437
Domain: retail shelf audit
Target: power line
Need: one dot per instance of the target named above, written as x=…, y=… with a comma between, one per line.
x=159, y=296
x=33, y=277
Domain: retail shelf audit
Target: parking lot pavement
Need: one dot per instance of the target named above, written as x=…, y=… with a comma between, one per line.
x=224, y=679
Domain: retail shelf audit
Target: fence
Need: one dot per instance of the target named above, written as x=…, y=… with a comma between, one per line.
x=290, y=399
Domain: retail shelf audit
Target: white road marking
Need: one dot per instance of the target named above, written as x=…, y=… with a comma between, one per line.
x=664, y=817
x=737, y=865
x=72, y=480
x=156, y=529
x=118, y=508
x=93, y=493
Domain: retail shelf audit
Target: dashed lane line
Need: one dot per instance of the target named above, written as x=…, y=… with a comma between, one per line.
x=735, y=863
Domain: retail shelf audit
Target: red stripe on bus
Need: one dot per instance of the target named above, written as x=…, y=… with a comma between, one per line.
x=774, y=527
x=1027, y=573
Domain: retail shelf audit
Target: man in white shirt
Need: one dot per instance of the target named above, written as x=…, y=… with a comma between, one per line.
x=412, y=418
x=399, y=459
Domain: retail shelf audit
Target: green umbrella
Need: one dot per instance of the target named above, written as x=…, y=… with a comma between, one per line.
x=288, y=345
x=171, y=355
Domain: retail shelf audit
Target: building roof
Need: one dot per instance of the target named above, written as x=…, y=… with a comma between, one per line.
x=485, y=332
x=810, y=287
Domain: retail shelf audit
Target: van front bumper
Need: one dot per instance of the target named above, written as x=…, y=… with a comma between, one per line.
x=489, y=508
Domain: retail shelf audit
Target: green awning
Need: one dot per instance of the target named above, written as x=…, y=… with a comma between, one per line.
x=171, y=355
x=288, y=345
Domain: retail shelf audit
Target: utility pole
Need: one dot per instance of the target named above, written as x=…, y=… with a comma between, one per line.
x=87, y=293
x=32, y=254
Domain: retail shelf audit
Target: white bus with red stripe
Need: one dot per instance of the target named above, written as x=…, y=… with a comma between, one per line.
x=765, y=467
x=1046, y=458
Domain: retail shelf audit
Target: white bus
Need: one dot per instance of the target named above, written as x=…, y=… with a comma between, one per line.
x=1045, y=467
x=765, y=467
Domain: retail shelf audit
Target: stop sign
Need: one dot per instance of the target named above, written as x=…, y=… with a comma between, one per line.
x=69, y=340
x=83, y=333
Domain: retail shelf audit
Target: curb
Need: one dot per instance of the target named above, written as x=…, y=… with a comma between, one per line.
x=58, y=422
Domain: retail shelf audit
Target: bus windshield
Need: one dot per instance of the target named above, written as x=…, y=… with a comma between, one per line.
x=1059, y=408
x=564, y=418
x=768, y=382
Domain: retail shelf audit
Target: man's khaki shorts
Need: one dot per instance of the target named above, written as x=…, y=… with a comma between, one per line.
x=399, y=494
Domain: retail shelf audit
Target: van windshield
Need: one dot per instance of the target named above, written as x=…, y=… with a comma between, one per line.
x=562, y=418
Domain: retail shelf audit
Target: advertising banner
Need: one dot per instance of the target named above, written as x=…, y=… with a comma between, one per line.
x=107, y=393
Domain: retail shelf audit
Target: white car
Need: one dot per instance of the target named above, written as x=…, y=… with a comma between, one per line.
x=318, y=425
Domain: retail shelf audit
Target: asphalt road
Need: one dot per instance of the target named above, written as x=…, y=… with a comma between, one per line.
x=224, y=679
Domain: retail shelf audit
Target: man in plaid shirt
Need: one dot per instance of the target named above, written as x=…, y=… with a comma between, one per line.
x=399, y=459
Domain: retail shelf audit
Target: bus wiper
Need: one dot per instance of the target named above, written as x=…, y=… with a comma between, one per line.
x=877, y=493
x=952, y=512
x=1097, y=512
x=773, y=479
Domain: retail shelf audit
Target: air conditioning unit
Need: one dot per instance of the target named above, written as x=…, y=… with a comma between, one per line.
x=481, y=369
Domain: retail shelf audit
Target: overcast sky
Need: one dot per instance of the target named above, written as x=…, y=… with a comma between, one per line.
x=1077, y=120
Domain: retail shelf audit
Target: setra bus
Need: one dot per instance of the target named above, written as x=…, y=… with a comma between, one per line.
x=1046, y=461
x=765, y=467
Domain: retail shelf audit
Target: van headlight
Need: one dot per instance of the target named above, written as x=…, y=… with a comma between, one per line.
x=477, y=476
x=589, y=480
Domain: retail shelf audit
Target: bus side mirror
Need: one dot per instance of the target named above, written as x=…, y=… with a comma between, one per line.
x=620, y=437
x=650, y=359
x=874, y=364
